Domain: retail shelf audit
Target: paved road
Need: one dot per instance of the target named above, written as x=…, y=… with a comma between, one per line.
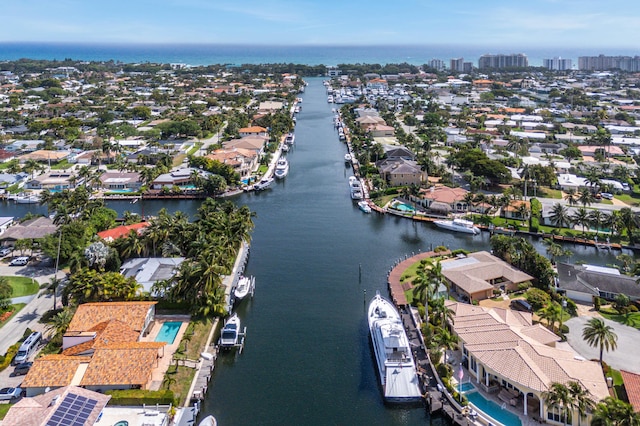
x=625, y=357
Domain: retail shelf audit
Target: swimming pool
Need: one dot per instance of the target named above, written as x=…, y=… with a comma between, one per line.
x=168, y=332
x=492, y=409
x=402, y=206
x=465, y=387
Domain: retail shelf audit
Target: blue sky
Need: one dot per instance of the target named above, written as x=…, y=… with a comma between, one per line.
x=533, y=23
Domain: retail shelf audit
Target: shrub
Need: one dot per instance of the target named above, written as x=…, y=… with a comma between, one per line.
x=497, y=292
x=140, y=397
x=632, y=308
x=537, y=298
x=444, y=370
x=564, y=329
x=572, y=308
x=436, y=357
x=440, y=249
x=524, y=286
x=535, y=225
x=8, y=357
x=459, y=251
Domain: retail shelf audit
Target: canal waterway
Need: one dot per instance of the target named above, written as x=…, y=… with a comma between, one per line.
x=317, y=260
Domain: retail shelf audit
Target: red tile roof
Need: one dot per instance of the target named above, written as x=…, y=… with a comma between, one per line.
x=121, y=231
x=632, y=386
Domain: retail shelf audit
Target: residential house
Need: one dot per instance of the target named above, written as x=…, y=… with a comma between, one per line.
x=254, y=143
x=7, y=179
x=244, y=161
x=24, y=145
x=517, y=209
x=443, y=199
x=56, y=180
x=582, y=282
x=68, y=405
x=121, y=181
x=122, y=231
x=33, y=229
x=568, y=181
x=399, y=171
x=181, y=177
x=478, y=275
x=593, y=150
x=253, y=131
x=149, y=270
x=506, y=354
x=632, y=388
x=382, y=131
x=44, y=156
x=5, y=223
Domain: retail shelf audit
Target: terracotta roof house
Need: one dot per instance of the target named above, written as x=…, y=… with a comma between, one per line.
x=632, y=387
x=582, y=282
x=382, y=131
x=512, y=211
x=253, y=131
x=476, y=276
x=122, y=231
x=54, y=371
x=44, y=155
x=138, y=315
x=66, y=405
x=254, y=143
x=399, y=171
x=53, y=180
x=506, y=354
x=243, y=160
x=443, y=199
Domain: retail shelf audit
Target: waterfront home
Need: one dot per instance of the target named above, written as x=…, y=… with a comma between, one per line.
x=121, y=181
x=516, y=361
x=102, y=349
x=516, y=210
x=381, y=131
x=32, y=229
x=253, y=131
x=8, y=179
x=399, y=171
x=269, y=107
x=180, y=177
x=59, y=406
x=122, y=231
x=147, y=271
x=254, y=143
x=443, y=199
x=244, y=161
x=398, y=151
x=56, y=180
x=632, y=388
x=583, y=282
x=478, y=275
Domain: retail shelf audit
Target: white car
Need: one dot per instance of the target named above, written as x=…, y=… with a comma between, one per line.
x=19, y=261
x=7, y=394
x=607, y=196
x=5, y=251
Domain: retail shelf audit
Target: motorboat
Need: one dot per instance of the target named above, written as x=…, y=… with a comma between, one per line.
x=355, y=188
x=208, y=421
x=244, y=287
x=347, y=158
x=458, y=225
x=296, y=110
x=263, y=184
x=285, y=148
x=330, y=99
x=27, y=199
x=230, y=335
x=282, y=168
x=396, y=368
x=364, y=206
x=290, y=139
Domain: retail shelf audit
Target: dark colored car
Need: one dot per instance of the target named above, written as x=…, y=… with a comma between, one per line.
x=521, y=305
x=22, y=368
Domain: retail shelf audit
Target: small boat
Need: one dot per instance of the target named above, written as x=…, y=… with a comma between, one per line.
x=355, y=188
x=263, y=184
x=290, y=139
x=27, y=199
x=458, y=225
x=282, y=168
x=330, y=99
x=397, y=371
x=230, y=335
x=347, y=158
x=244, y=287
x=285, y=148
x=208, y=421
x=296, y=110
x=364, y=206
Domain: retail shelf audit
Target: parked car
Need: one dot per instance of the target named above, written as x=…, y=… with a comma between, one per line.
x=5, y=251
x=19, y=261
x=7, y=394
x=521, y=305
x=607, y=195
x=22, y=368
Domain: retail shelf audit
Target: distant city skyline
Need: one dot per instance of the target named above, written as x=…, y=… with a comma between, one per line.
x=500, y=26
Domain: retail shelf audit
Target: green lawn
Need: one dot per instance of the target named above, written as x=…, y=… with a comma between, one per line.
x=4, y=409
x=22, y=286
x=195, y=148
x=549, y=193
x=632, y=199
x=16, y=308
x=632, y=319
x=61, y=165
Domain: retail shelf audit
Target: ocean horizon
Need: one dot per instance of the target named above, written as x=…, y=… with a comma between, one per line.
x=238, y=54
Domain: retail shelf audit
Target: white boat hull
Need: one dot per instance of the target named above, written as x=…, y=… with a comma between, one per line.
x=263, y=184
x=244, y=287
x=392, y=351
x=208, y=421
x=230, y=335
x=452, y=226
x=364, y=206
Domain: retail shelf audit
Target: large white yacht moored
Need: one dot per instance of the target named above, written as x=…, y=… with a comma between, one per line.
x=458, y=225
x=398, y=376
x=282, y=168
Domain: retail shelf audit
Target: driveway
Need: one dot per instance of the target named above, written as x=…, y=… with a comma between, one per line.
x=625, y=357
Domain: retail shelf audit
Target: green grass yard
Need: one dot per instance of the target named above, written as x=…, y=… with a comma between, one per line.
x=22, y=286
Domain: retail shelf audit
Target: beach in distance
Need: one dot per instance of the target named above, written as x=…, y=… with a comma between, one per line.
x=237, y=54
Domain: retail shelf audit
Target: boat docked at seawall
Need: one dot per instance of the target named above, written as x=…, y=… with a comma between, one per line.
x=231, y=335
x=208, y=421
x=244, y=287
x=347, y=158
x=282, y=168
x=364, y=206
x=355, y=188
x=27, y=199
x=263, y=184
x=458, y=225
x=398, y=376
x=290, y=139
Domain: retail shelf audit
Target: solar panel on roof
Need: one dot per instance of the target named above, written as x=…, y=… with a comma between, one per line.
x=73, y=410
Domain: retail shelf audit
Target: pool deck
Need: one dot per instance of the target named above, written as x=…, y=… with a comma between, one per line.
x=158, y=373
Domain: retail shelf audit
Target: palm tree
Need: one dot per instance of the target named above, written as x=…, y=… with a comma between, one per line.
x=552, y=313
x=597, y=333
x=614, y=412
x=555, y=250
x=581, y=217
x=571, y=196
x=596, y=218
x=585, y=197
x=441, y=314
x=628, y=220
x=558, y=395
x=582, y=399
x=445, y=340
x=60, y=322
x=560, y=216
x=517, y=146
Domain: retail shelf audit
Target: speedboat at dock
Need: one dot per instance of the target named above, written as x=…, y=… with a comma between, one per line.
x=347, y=158
x=282, y=168
x=208, y=421
x=263, y=184
x=290, y=139
x=231, y=336
x=458, y=225
x=364, y=206
x=245, y=286
x=396, y=368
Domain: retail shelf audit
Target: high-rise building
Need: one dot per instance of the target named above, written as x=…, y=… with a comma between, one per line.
x=436, y=64
x=515, y=60
x=603, y=63
x=557, y=64
x=457, y=64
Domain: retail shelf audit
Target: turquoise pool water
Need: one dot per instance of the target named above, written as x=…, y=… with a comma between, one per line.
x=121, y=191
x=466, y=387
x=168, y=332
x=505, y=417
x=402, y=207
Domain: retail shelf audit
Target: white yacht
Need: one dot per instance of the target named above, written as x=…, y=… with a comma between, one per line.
x=244, y=287
x=364, y=206
x=282, y=168
x=355, y=188
x=230, y=335
x=263, y=184
x=398, y=376
x=458, y=225
x=208, y=421
x=290, y=139
x=330, y=99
